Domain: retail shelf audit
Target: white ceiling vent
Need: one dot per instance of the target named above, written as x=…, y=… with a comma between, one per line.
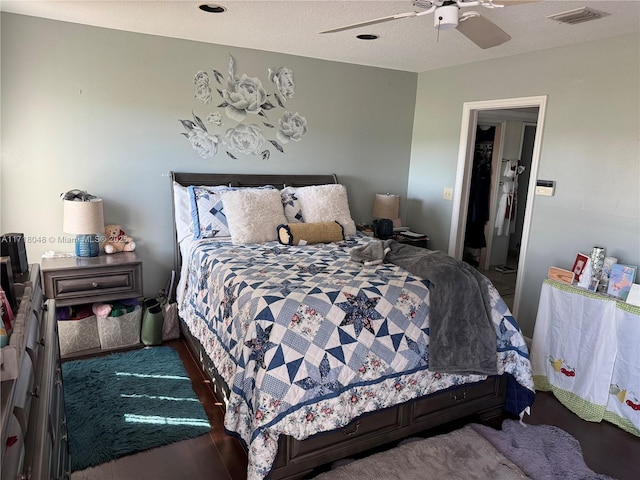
x=579, y=15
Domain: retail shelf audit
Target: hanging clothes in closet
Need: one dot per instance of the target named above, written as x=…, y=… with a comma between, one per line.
x=480, y=187
x=507, y=206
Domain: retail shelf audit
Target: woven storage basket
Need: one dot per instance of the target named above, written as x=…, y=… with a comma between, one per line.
x=122, y=331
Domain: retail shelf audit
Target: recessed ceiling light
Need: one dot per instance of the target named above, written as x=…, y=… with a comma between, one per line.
x=212, y=8
x=367, y=36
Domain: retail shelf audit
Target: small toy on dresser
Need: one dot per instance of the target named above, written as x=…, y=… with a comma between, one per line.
x=116, y=240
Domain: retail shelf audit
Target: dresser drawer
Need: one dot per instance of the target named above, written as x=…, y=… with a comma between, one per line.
x=356, y=435
x=95, y=283
x=472, y=397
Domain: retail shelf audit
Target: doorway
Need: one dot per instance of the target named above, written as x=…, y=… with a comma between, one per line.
x=518, y=126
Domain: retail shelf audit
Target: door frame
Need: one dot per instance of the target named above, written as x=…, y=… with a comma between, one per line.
x=464, y=170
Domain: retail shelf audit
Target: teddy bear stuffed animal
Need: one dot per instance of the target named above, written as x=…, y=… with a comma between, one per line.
x=116, y=240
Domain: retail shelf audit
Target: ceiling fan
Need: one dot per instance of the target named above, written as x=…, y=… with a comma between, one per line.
x=448, y=14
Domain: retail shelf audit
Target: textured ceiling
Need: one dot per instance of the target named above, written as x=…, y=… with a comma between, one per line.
x=293, y=27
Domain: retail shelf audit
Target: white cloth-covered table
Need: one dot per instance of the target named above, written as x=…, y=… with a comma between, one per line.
x=586, y=350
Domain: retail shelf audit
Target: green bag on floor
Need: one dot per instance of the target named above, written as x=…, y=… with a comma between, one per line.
x=152, y=318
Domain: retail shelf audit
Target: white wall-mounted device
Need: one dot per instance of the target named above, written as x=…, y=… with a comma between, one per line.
x=546, y=188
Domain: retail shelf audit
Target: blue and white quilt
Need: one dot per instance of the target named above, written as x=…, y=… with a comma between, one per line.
x=307, y=339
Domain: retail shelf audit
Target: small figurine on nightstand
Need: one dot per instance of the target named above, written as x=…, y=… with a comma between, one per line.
x=117, y=240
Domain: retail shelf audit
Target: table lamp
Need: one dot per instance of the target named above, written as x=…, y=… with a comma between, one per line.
x=386, y=210
x=85, y=218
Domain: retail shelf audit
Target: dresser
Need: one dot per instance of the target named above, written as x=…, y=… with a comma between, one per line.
x=34, y=436
x=585, y=351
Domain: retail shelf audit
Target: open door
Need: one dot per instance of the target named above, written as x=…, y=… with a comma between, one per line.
x=497, y=112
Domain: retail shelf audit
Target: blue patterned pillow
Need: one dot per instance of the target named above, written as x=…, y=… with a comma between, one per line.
x=207, y=213
x=291, y=205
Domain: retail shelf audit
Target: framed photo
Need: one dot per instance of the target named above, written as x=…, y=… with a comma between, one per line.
x=620, y=280
x=578, y=265
x=560, y=275
x=634, y=295
x=593, y=285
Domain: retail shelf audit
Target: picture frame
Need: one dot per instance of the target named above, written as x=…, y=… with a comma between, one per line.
x=593, y=285
x=560, y=275
x=620, y=280
x=634, y=295
x=579, y=265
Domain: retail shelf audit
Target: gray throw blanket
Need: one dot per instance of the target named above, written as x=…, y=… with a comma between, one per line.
x=371, y=254
x=462, y=339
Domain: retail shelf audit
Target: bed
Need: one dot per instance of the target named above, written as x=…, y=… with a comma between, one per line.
x=315, y=355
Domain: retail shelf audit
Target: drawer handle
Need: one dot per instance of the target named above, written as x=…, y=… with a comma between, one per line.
x=352, y=431
x=94, y=284
x=459, y=396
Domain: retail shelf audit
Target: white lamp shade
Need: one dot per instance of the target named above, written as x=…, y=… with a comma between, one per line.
x=386, y=206
x=83, y=218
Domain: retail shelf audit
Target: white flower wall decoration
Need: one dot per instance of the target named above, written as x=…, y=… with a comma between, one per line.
x=245, y=101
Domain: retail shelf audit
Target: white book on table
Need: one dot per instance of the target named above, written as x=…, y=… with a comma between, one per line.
x=410, y=234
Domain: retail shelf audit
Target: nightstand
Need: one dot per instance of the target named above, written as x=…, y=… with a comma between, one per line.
x=87, y=280
x=414, y=241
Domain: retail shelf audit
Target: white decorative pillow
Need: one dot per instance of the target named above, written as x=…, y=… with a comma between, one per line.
x=326, y=203
x=253, y=214
x=207, y=215
x=182, y=212
x=291, y=205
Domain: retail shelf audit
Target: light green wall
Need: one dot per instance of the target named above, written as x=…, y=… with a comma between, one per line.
x=98, y=109
x=590, y=147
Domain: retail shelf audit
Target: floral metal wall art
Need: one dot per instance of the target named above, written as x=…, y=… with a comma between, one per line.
x=246, y=102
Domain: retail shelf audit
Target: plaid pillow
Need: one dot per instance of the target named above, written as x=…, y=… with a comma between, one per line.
x=207, y=213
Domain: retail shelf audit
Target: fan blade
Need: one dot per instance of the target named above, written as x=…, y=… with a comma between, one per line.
x=481, y=31
x=397, y=16
x=511, y=3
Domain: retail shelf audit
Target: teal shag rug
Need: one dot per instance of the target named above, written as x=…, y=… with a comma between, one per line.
x=128, y=402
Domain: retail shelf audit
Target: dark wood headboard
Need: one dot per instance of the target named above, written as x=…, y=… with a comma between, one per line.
x=238, y=180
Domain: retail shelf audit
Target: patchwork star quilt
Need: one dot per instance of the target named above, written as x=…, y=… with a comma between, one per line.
x=307, y=340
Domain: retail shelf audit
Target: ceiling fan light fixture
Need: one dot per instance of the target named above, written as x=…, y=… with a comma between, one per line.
x=468, y=15
x=446, y=17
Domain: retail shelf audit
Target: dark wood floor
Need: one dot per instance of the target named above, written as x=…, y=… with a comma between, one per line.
x=216, y=456
x=606, y=448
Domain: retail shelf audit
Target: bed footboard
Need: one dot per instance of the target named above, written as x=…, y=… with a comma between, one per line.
x=297, y=458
